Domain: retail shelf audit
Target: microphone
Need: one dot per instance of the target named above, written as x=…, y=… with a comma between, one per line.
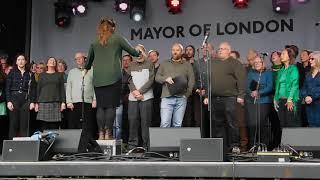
x=205, y=39
x=264, y=54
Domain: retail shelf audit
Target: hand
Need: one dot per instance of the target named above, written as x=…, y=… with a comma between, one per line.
x=276, y=106
x=31, y=106
x=308, y=99
x=70, y=106
x=140, y=97
x=254, y=94
x=206, y=101
x=240, y=101
x=135, y=93
x=94, y=104
x=169, y=80
x=36, y=107
x=10, y=106
x=62, y=107
x=289, y=105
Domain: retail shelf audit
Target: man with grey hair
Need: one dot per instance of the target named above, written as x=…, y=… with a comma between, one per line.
x=228, y=89
x=177, y=79
x=80, y=98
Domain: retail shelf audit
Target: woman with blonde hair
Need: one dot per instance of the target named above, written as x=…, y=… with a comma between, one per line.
x=105, y=54
x=310, y=91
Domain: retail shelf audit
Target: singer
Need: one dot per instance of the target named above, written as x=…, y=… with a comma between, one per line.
x=105, y=55
x=20, y=94
x=228, y=89
x=81, y=100
x=259, y=87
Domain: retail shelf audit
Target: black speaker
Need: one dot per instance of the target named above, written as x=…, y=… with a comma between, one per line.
x=168, y=139
x=206, y=149
x=67, y=140
x=301, y=139
x=22, y=150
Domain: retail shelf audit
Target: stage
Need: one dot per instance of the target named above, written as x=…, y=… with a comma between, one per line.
x=296, y=170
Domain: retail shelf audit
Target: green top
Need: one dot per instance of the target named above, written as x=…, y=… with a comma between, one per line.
x=106, y=60
x=75, y=85
x=173, y=69
x=228, y=78
x=50, y=88
x=287, y=84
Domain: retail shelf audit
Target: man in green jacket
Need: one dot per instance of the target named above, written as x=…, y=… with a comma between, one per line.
x=177, y=79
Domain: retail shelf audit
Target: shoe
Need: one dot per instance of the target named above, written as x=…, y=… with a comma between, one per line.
x=108, y=134
x=101, y=135
x=235, y=150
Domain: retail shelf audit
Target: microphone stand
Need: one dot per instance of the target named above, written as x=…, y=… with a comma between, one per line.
x=82, y=98
x=211, y=124
x=200, y=94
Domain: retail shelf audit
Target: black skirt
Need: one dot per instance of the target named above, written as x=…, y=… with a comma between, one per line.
x=108, y=96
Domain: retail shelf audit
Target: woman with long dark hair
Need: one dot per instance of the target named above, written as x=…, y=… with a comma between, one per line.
x=105, y=54
x=20, y=96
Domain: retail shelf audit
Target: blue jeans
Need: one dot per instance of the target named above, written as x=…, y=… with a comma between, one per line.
x=118, y=123
x=172, y=111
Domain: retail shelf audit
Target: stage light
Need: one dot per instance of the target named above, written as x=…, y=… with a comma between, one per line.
x=240, y=3
x=281, y=6
x=62, y=14
x=79, y=7
x=122, y=5
x=302, y=1
x=174, y=6
x=137, y=10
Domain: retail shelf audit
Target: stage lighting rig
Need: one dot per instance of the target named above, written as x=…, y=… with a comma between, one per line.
x=137, y=10
x=174, y=6
x=240, y=3
x=62, y=14
x=122, y=5
x=79, y=7
x=281, y=6
x=302, y=1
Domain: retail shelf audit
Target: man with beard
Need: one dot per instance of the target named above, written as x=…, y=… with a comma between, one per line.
x=189, y=118
x=177, y=78
x=153, y=56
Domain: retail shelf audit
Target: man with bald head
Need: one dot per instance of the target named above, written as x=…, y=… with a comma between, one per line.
x=177, y=79
x=227, y=89
x=80, y=100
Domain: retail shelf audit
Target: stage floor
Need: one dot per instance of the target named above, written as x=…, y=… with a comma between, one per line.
x=296, y=170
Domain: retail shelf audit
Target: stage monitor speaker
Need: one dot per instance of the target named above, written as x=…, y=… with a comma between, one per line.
x=67, y=140
x=301, y=139
x=168, y=139
x=206, y=149
x=22, y=151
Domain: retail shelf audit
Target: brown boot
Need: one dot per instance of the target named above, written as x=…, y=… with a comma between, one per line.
x=101, y=135
x=108, y=134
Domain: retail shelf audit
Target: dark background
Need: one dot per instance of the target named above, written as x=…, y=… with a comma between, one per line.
x=15, y=16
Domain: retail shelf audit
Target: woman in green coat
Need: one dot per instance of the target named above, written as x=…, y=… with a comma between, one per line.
x=287, y=90
x=104, y=56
